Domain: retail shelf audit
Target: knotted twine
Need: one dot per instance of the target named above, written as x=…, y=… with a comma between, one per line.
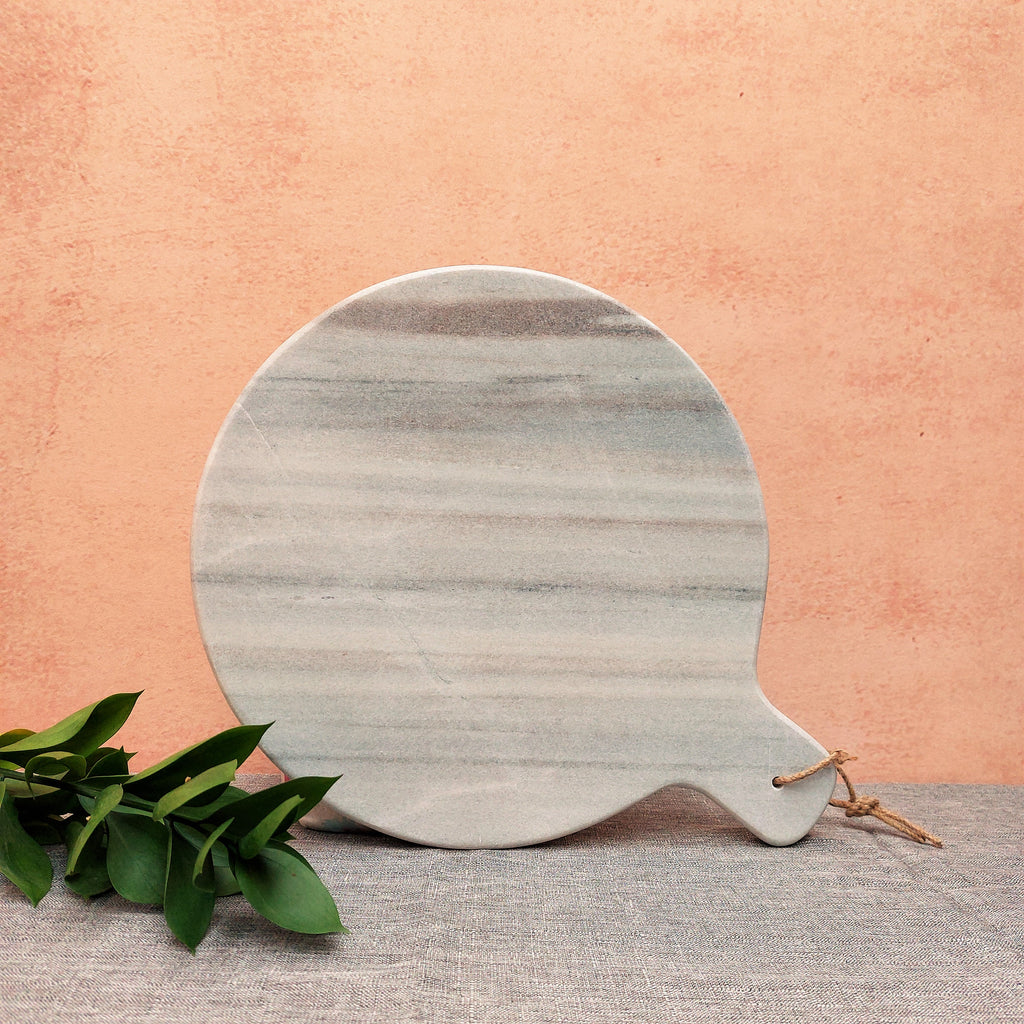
x=860, y=806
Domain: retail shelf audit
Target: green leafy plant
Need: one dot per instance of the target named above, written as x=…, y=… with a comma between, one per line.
x=177, y=834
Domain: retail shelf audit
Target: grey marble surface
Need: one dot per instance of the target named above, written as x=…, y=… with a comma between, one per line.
x=490, y=545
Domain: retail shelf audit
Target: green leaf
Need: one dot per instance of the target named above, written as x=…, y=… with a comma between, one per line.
x=224, y=880
x=80, y=733
x=199, y=866
x=106, y=801
x=231, y=745
x=56, y=765
x=213, y=779
x=188, y=907
x=76, y=766
x=19, y=789
x=225, y=800
x=22, y=860
x=137, y=857
x=44, y=764
x=88, y=804
x=282, y=887
x=249, y=811
x=108, y=761
x=90, y=877
x=254, y=840
x=12, y=736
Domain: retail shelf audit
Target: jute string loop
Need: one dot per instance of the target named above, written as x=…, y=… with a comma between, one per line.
x=860, y=806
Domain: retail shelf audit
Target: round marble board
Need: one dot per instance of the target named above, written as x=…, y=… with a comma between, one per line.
x=490, y=546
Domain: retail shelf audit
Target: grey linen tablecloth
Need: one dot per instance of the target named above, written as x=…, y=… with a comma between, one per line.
x=669, y=912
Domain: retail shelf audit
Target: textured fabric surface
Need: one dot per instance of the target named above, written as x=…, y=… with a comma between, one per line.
x=669, y=912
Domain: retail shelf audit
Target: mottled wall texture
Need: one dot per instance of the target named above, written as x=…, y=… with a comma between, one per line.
x=820, y=201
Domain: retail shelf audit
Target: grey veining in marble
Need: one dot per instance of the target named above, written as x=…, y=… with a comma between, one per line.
x=491, y=546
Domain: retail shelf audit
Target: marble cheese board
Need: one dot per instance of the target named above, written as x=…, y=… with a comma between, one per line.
x=490, y=545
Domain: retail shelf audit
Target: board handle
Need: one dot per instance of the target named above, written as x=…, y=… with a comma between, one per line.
x=742, y=781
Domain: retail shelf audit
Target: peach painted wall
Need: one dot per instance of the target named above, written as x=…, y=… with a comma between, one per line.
x=820, y=201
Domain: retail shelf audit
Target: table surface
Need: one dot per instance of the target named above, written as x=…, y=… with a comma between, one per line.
x=668, y=912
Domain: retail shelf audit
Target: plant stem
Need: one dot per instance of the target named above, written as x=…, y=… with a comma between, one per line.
x=82, y=788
